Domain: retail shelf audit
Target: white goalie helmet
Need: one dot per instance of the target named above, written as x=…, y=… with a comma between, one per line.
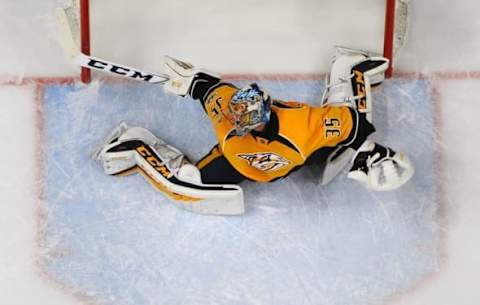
x=249, y=109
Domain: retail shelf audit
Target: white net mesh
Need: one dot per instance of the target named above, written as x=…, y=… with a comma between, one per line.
x=72, y=9
x=314, y=42
x=401, y=25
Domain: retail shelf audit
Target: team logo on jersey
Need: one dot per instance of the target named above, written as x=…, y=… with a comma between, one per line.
x=267, y=162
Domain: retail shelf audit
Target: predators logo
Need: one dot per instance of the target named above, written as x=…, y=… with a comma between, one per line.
x=267, y=162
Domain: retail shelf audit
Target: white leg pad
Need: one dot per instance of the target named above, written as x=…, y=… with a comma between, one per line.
x=335, y=163
x=166, y=168
x=184, y=187
x=339, y=88
x=352, y=75
x=114, y=163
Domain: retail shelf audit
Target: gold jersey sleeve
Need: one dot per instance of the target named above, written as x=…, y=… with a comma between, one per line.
x=295, y=131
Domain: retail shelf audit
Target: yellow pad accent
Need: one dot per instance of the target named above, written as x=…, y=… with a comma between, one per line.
x=214, y=154
x=159, y=186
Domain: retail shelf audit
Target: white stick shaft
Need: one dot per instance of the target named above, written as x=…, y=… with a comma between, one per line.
x=83, y=60
x=120, y=70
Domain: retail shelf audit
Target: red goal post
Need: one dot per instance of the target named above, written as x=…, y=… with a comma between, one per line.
x=85, y=74
x=396, y=22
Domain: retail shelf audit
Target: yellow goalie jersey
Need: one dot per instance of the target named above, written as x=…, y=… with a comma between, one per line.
x=295, y=133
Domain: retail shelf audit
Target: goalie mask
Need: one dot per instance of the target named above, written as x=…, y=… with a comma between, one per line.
x=249, y=109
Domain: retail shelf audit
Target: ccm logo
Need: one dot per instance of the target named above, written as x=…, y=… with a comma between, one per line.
x=153, y=161
x=360, y=88
x=100, y=65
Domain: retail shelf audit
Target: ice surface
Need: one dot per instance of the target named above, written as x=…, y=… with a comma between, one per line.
x=119, y=241
x=443, y=43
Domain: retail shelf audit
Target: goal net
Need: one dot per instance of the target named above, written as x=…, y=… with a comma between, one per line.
x=271, y=36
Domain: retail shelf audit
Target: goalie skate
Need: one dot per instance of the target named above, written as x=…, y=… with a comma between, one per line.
x=130, y=150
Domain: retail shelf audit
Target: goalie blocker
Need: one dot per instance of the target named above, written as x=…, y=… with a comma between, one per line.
x=131, y=150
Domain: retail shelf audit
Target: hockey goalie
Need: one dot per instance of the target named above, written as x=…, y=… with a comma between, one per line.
x=263, y=139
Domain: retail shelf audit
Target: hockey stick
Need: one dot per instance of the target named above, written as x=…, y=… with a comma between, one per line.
x=73, y=52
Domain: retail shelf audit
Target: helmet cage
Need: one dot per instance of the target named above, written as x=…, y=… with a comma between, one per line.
x=248, y=109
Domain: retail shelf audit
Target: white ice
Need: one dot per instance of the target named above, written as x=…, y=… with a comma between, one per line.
x=443, y=43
